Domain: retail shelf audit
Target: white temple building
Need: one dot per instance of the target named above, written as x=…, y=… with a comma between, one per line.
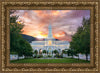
x=50, y=44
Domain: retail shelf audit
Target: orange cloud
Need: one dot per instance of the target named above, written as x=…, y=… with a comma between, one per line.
x=65, y=11
x=45, y=17
x=55, y=13
x=41, y=13
x=59, y=34
x=36, y=22
x=41, y=34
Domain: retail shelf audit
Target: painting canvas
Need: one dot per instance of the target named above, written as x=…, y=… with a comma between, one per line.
x=49, y=36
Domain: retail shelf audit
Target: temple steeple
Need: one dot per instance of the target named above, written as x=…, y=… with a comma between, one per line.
x=50, y=31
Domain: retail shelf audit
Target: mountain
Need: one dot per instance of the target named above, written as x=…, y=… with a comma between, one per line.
x=55, y=39
x=28, y=38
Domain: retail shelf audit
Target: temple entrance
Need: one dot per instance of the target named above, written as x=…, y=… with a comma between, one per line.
x=49, y=51
x=40, y=51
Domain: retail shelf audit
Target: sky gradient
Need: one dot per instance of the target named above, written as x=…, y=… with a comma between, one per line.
x=64, y=22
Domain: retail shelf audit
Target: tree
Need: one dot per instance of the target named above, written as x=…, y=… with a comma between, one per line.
x=17, y=43
x=55, y=51
x=75, y=45
x=44, y=51
x=85, y=37
x=64, y=52
x=71, y=52
x=15, y=30
x=36, y=52
x=27, y=49
x=81, y=39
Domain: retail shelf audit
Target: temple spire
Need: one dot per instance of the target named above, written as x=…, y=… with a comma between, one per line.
x=50, y=31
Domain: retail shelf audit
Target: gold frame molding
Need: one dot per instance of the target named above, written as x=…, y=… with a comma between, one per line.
x=54, y=5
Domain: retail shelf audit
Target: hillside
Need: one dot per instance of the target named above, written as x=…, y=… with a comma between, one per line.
x=28, y=38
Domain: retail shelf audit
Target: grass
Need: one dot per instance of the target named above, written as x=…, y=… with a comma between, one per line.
x=63, y=60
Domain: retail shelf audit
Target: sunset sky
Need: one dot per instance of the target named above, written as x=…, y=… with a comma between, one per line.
x=64, y=22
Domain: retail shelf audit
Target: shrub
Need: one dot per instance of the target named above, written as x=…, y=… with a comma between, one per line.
x=35, y=56
x=40, y=56
x=58, y=56
x=49, y=56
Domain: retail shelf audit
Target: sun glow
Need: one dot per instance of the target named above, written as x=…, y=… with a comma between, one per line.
x=41, y=35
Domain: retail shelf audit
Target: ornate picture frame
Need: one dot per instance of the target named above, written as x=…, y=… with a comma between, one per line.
x=7, y=5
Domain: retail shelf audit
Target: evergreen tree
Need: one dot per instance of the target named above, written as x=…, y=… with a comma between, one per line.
x=81, y=39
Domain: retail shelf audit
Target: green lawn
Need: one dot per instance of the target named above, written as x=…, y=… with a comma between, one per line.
x=63, y=60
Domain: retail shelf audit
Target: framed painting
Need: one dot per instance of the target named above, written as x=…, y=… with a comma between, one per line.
x=49, y=36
